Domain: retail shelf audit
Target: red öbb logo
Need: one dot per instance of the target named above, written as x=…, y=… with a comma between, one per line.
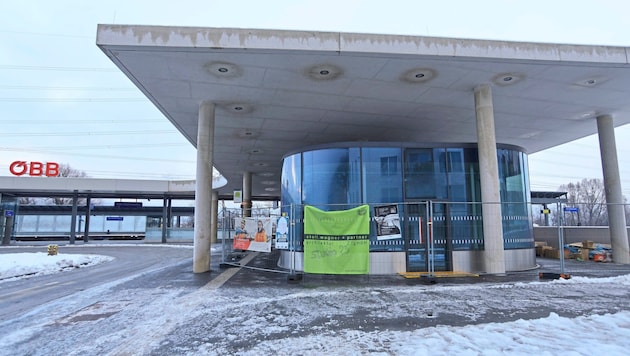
x=34, y=169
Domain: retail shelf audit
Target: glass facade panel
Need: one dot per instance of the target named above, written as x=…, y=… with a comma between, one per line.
x=425, y=176
x=331, y=182
x=517, y=227
x=291, y=193
x=382, y=175
x=389, y=178
x=382, y=185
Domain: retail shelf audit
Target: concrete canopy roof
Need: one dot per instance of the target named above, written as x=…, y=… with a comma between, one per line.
x=280, y=91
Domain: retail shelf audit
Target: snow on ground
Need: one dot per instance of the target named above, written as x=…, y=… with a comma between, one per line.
x=217, y=321
x=21, y=265
x=17, y=265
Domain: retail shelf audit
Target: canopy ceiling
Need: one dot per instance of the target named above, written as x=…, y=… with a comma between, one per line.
x=280, y=91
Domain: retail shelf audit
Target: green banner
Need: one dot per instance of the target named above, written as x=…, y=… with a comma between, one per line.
x=337, y=242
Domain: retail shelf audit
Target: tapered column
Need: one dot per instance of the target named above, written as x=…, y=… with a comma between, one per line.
x=494, y=256
x=203, y=188
x=612, y=185
x=247, y=194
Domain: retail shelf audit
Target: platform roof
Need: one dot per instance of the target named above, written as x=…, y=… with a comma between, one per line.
x=98, y=187
x=280, y=91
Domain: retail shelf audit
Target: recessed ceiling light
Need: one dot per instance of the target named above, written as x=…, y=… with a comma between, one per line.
x=266, y=174
x=270, y=189
x=418, y=75
x=248, y=134
x=505, y=79
x=237, y=108
x=324, y=72
x=222, y=69
x=591, y=81
x=268, y=182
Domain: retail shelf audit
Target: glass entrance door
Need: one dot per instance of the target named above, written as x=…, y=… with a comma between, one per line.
x=426, y=237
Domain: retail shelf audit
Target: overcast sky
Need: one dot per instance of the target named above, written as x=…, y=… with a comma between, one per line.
x=63, y=100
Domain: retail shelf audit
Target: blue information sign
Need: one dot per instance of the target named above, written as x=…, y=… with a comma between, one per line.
x=571, y=209
x=8, y=213
x=114, y=218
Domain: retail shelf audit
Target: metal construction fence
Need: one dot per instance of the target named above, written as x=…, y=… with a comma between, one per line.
x=461, y=222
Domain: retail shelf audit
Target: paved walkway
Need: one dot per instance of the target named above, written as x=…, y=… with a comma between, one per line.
x=166, y=309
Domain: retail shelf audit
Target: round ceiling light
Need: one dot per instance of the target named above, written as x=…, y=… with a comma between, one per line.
x=237, y=108
x=591, y=81
x=324, y=72
x=248, y=134
x=504, y=79
x=222, y=69
x=418, y=75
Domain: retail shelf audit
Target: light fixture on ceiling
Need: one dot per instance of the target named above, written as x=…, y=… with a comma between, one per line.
x=418, y=75
x=222, y=69
x=237, y=108
x=590, y=81
x=505, y=79
x=324, y=72
x=268, y=182
x=266, y=174
x=248, y=134
x=270, y=189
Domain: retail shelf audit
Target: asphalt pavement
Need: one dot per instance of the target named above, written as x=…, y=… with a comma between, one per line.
x=148, y=301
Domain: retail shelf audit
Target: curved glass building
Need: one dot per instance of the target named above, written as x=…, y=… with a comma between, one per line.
x=425, y=202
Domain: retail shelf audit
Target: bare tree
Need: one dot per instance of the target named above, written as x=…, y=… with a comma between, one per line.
x=30, y=201
x=65, y=170
x=589, y=197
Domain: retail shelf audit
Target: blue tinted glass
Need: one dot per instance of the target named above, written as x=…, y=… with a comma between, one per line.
x=382, y=175
x=517, y=229
x=291, y=180
x=425, y=174
x=331, y=181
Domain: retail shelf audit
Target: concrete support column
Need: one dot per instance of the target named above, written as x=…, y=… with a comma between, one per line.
x=494, y=256
x=203, y=188
x=612, y=184
x=73, y=219
x=88, y=209
x=164, y=219
x=214, y=216
x=247, y=194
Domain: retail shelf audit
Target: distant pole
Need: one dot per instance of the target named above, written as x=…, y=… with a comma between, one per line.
x=73, y=220
x=88, y=212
